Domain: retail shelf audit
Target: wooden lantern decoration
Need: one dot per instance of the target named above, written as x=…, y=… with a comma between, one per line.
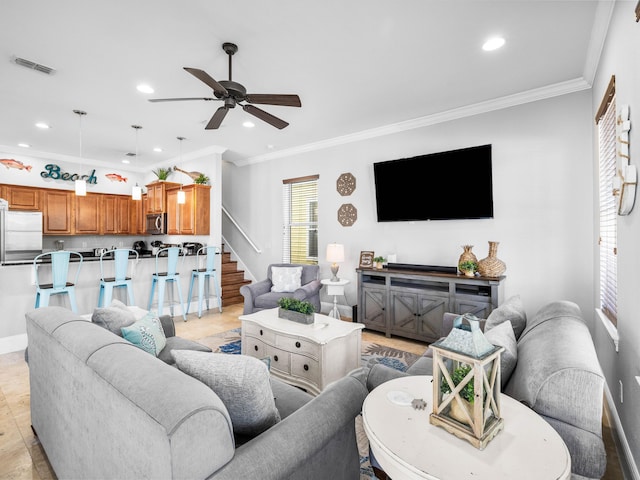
x=466, y=384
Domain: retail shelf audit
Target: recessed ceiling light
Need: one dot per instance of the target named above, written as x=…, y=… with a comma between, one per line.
x=157, y=149
x=145, y=88
x=24, y=145
x=124, y=160
x=248, y=124
x=270, y=147
x=493, y=44
x=42, y=125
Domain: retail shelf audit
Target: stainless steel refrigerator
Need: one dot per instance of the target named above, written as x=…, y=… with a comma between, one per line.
x=20, y=236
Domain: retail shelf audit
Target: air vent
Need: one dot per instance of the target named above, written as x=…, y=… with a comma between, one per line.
x=129, y=154
x=33, y=65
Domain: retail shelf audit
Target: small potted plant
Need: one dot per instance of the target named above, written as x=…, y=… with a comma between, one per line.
x=162, y=173
x=378, y=261
x=468, y=268
x=201, y=179
x=466, y=394
x=296, y=310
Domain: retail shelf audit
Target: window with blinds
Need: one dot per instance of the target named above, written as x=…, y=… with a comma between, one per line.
x=300, y=214
x=606, y=121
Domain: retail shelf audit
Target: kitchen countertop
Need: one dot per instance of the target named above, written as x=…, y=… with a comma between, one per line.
x=87, y=257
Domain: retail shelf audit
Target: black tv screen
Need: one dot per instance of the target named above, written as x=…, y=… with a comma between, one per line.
x=441, y=186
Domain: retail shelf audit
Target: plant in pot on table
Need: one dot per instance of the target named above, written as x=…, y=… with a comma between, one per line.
x=467, y=393
x=296, y=310
x=468, y=268
x=378, y=261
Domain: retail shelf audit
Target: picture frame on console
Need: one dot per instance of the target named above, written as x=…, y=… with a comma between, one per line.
x=366, y=259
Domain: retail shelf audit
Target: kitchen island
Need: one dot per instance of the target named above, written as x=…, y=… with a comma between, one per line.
x=18, y=291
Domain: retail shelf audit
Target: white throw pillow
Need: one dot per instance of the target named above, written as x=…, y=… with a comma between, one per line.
x=502, y=336
x=286, y=279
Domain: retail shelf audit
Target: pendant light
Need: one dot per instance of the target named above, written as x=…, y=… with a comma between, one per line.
x=181, y=194
x=136, y=191
x=81, y=183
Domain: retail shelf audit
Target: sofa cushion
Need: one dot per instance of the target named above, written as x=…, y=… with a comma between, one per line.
x=242, y=383
x=146, y=334
x=114, y=317
x=511, y=310
x=286, y=279
x=503, y=336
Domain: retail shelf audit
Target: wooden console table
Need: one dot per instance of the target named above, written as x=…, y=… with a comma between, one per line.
x=411, y=303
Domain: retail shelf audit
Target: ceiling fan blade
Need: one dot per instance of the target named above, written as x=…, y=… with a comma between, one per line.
x=206, y=78
x=180, y=99
x=217, y=118
x=268, y=99
x=267, y=117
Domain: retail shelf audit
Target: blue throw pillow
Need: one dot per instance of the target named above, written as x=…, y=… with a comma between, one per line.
x=147, y=334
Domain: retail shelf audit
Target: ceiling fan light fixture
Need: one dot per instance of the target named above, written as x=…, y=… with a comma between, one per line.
x=42, y=125
x=24, y=145
x=145, y=88
x=493, y=43
x=248, y=124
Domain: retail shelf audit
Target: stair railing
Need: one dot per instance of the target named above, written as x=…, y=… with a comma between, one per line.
x=240, y=229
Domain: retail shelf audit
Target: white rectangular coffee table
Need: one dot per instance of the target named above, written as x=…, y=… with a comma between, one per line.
x=407, y=446
x=308, y=356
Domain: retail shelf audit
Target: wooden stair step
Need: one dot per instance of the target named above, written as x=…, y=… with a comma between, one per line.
x=235, y=277
x=229, y=267
x=232, y=300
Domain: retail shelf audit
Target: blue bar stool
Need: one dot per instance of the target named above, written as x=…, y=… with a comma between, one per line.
x=169, y=276
x=203, y=275
x=59, y=273
x=120, y=271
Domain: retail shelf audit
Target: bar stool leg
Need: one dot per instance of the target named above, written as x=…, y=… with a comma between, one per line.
x=72, y=299
x=207, y=291
x=153, y=289
x=200, y=294
x=184, y=315
x=190, y=298
x=129, y=288
x=217, y=289
x=161, y=286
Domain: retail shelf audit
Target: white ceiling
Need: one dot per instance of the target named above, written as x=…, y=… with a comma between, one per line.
x=359, y=67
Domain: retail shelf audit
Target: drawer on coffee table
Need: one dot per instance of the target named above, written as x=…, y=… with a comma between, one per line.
x=259, y=332
x=305, y=367
x=298, y=346
x=280, y=360
x=256, y=347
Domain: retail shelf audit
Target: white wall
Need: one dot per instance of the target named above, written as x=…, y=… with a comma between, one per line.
x=542, y=192
x=620, y=58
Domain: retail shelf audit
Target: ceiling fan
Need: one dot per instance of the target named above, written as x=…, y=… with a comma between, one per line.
x=233, y=93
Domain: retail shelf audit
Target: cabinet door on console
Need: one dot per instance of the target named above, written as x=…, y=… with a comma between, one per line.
x=374, y=305
x=431, y=310
x=418, y=315
x=479, y=309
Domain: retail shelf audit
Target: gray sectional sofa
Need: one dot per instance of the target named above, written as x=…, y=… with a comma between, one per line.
x=555, y=371
x=103, y=408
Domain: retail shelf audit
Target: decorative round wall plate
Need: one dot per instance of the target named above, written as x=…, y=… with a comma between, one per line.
x=347, y=215
x=346, y=184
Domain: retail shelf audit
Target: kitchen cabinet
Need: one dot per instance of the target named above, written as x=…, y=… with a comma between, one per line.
x=116, y=214
x=192, y=217
x=57, y=215
x=411, y=303
x=138, y=215
x=21, y=198
x=156, y=196
x=88, y=214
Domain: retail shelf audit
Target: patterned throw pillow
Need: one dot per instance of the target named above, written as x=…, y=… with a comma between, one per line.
x=147, y=334
x=286, y=279
x=242, y=383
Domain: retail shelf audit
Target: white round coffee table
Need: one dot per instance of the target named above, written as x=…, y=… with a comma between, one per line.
x=407, y=446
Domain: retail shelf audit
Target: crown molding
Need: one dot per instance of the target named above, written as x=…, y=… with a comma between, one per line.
x=555, y=90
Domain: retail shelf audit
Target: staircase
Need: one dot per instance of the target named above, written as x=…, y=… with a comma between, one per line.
x=231, y=279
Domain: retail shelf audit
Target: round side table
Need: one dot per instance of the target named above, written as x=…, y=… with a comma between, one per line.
x=336, y=289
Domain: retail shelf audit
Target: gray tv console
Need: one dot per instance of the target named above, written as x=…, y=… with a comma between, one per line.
x=411, y=303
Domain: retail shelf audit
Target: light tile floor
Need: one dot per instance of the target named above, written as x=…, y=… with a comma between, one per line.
x=22, y=456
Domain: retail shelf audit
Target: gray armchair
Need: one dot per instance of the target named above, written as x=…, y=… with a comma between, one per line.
x=258, y=296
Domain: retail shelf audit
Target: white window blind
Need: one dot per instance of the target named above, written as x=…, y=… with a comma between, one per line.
x=606, y=120
x=300, y=220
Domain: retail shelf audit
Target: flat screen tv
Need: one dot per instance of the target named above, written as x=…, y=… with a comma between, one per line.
x=440, y=186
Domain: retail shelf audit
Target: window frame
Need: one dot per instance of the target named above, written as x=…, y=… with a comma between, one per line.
x=306, y=204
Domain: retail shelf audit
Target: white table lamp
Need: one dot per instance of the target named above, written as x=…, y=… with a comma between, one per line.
x=335, y=254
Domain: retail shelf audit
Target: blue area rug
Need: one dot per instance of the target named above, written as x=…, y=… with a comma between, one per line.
x=372, y=353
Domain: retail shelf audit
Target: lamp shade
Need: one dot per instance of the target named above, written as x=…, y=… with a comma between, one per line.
x=136, y=192
x=81, y=188
x=181, y=197
x=335, y=252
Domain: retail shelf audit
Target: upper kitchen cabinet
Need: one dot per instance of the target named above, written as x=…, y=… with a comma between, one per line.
x=157, y=196
x=21, y=198
x=116, y=214
x=57, y=215
x=192, y=217
x=88, y=217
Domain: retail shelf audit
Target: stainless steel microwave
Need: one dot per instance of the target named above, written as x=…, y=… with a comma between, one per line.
x=156, y=224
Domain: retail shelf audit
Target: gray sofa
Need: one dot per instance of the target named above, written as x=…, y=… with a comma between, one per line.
x=557, y=374
x=258, y=296
x=104, y=408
